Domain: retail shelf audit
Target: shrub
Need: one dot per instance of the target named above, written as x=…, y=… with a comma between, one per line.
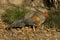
x=53, y=20
x=13, y=14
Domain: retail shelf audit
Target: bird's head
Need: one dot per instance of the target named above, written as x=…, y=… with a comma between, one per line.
x=46, y=14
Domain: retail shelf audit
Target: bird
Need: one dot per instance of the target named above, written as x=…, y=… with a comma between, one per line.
x=32, y=19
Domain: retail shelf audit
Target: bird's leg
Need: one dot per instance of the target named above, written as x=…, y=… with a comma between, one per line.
x=33, y=28
x=42, y=25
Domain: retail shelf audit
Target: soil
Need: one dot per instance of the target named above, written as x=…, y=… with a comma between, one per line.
x=28, y=34
x=40, y=33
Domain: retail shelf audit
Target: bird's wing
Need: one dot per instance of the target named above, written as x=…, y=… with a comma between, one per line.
x=19, y=23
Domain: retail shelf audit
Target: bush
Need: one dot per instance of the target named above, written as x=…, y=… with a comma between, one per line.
x=53, y=20
x=13, y=14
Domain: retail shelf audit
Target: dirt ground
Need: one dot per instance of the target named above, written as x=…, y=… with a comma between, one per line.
x=27, y=33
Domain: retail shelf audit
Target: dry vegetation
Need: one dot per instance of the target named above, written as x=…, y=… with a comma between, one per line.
x=40, y=33
x=29, y=34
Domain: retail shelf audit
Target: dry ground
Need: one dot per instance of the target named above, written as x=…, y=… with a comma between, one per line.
x=28, y=33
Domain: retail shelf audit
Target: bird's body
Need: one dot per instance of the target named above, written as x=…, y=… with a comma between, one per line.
x=29, y=20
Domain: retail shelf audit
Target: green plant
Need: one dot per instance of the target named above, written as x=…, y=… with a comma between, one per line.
x=53, y=20
x=13, y=14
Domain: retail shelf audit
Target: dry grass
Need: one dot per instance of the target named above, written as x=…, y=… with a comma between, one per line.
x=29, y=34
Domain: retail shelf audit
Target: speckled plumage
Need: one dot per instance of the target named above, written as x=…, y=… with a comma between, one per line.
x=30, y=19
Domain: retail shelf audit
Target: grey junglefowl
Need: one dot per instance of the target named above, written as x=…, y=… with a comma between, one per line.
x=30, y=19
